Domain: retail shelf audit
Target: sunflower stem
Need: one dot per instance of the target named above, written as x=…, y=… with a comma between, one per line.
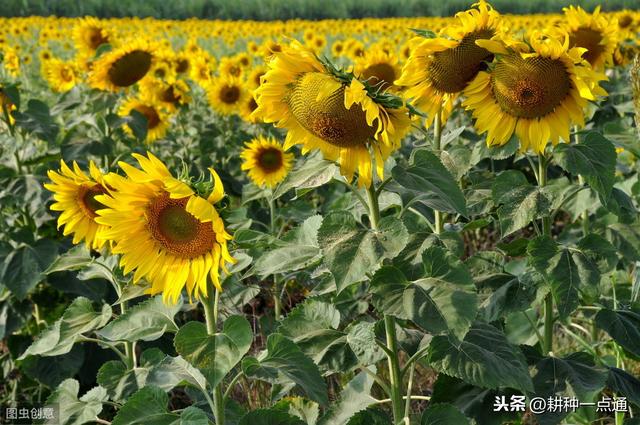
x=129, y=351
x=547, y=345
x=277, y=303
x=437, y=146
x=211, y=317
x=395, y=376
x=374, y=207
x=584, y=216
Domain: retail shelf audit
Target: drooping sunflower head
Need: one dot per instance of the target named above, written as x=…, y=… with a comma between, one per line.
x=166, y=231
x=537, y=90
x=378, y=68
x=157, y=119
x=439, y=68
x=61, y=76
x=75, y=195
x=330, y=110
x=593, y=32
x=266, y=161
x=226, y=94
x=123, y=67
x=89, y=34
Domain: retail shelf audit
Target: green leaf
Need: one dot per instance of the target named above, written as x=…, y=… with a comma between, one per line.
x=297, y=249
x=443, y=300
x=354, y=398
x=284, y=362
x=148, y=406
x=599, y=251
x=78, y=318
x=626, y=239
x=74, y=259
x=174, y=371
x=138, y=123
x=146, y=321
x=567, y=270
x=313, y=325
x=577, y=370
x=594, y=158
x=443, y=414
x=521, y=202
x=623, y=383
x=431, y=183
x=120, y=381
x=74, y=411
x=314, y=172
x=37, y=120
x=515, y=294
x=623, y=326
x=351, y=252
x=484, y=358
x=23, y=267
x=300, y=407
x=52, y=370
x=620, y=204
x=194, y=416
x=362, y=340
x=269, y=417
x=214, y=355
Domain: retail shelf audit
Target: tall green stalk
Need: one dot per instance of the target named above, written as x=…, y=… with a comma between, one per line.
x=547, y=346
x=437, y=146
x=584, y=216
x=277, y=302
x=395, y=375
x=211, y=317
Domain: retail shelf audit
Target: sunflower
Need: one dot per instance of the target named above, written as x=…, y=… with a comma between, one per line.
x=226, y=94
x=247, y=107
x=122, y=67
x=595, y=33
x=322, y=109
x=163, y=230
x=6, y=106
x=537, y=90
x=253, y=79
x=170, y=95
x=75, y=195
x=89, y=34
x=157, y=119
x=11, y=61
x=61, y=76
x=231, y=67
x=439, y=68
x=201, y=69
x=266, y=161
x=378, y=68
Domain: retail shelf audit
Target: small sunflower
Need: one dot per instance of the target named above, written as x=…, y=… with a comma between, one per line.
x=61, y=76
x=75, y=195
x=157, y=118
x=537, y=90
x=253, y=79
x=201, y=69
x=165, y=231
x=89, y=34
x=121, y=68
x=266, y=161
x=378, y=68
x=231, y=67
x=326, y=109
x=170, y=95
x=593, y=32
x=226, y=94
x=440, y=68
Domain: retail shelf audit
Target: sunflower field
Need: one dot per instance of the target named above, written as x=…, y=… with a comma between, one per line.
x=428, y=220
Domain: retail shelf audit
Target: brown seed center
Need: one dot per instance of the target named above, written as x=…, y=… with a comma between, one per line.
x=178, y=231
x=589, y=39
x=328, y=119
x=530, y=88
x=270, y=159
x=87, y=196
x=451, y=70
x=130, y=68
x=380, y=73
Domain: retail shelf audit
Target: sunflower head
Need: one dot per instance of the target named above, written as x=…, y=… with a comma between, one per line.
x=266, y=161
x=165, y=230
x=439, y=68
x=61, y=76
x=378, y=68
x=593, y=32
x=157, y=119
x=123, y=67
x=331, y=110
x=537, y=90
x=75, y=193
x=89, y=34
x=226, y=94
